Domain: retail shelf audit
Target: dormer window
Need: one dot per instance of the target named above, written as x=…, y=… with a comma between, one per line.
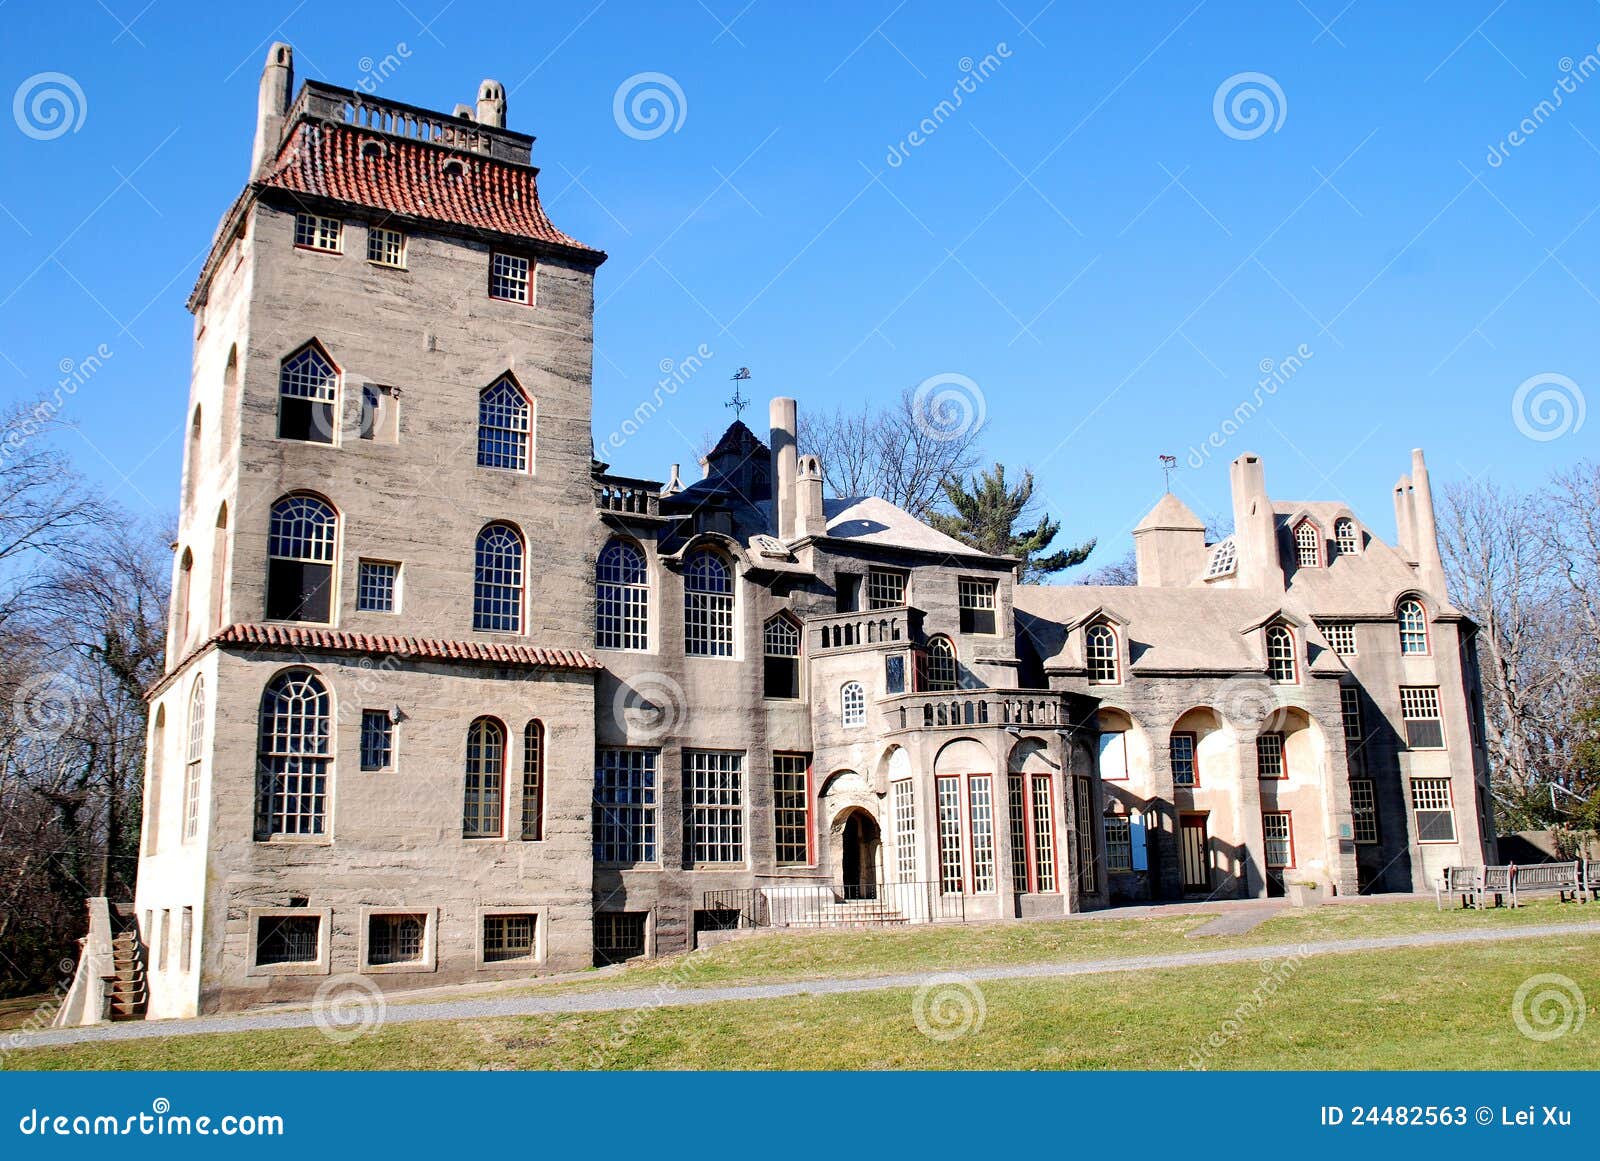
x=1345, y=536
x=1413, y=627
x=1224, y=559
x=1307, y=545
x=1100, y=649
x=1281, y=664
x=314, y=232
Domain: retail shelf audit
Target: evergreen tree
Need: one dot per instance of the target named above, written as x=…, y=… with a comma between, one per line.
x=985, y=516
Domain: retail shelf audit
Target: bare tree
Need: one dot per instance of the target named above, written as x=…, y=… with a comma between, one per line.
x=899, y=452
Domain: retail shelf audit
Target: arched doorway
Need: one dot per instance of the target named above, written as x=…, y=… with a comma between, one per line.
x=858, y=861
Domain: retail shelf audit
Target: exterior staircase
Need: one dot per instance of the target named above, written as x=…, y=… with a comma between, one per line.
x=126, y=990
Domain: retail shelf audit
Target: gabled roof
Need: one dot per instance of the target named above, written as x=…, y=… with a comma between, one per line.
x=873, y=520
x=1360, y=584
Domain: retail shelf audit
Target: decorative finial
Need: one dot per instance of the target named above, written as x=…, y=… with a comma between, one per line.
x=1169, y=464
x=739, y=402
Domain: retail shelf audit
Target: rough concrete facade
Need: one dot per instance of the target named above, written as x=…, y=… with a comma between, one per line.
x=733, y=702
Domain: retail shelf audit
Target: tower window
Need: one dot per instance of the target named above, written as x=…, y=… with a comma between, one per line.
x=533, y=781
x=314, y=232
x=622, y=598
x=1345, y=537
x=293, y=755
x=308, y=390
x=377, y=740
x=1364, y=810
x=1419, y=708
x=386, y=247
x=194, y=755
x=1435, y=813
x=300, y=558
x=497, y=580
x=376, y=583
x=508, y=278
x=504, y=426
x=886, y=588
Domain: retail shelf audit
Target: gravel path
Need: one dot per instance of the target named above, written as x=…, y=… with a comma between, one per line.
x=669, y=995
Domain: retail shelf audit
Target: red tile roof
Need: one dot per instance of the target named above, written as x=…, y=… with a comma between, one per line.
x=323, y=159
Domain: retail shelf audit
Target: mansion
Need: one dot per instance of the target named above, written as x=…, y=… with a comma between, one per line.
x=448, y=700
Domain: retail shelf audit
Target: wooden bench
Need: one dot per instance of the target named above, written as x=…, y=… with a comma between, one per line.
x=1564, y=879
x=1467, y=882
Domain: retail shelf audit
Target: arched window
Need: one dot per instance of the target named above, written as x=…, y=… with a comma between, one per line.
x=497, y=580
x=1100, y=647
x=853, y=704
x=191, y=462
x=193, y=755
x=308, y=392
x=707, y=606
x=622, y=598
x=939, y=673
x=300, y=556
x=1224, y=559
x=533, y=781
x=504, y=426
x=152, y=790
x=1307, y=545
x=1345, y=537
x=1281, y=665
x=1413, y=627
x=293, y=755
x=482, y=811
x=781, y=646
x=219, y=568
x=181, y=601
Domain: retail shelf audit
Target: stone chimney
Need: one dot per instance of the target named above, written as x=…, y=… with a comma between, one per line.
x=1170, y=545
x=809, y=517
x=784, y=420
x=272, y=105
x=1430, y=564
x=491, y=104
x=1404, y=523
x=1255, y=532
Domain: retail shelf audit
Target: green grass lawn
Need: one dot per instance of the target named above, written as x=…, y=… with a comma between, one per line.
x=894, y=951
x=1441, y=1007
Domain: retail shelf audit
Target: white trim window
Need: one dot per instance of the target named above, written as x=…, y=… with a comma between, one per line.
x=1282, y=665
x=377, y=581
x=791, y=809
x=294, y=756
x=308, y=395
x=904, y=797
x=625, y=806
x=194, y=755
x=505, y=426
x=1341, y=637
x=886, y=588
x=852, y=705
x=483, y=796
x=976, y=600
x=1434, y=810
x=1113, y=756
x=951, y=871
x=386, y=247
x=315, y=232
x=1364, y=810
x=1277, y=832
x=1103, y=655
x=1345, y=537
x=1307, y=545
x=1413, y=628
x=707, y=606
x=713, y=795
x=1419, y=709
x=377, y=740
x=622, y=598
x=510, y=278
x=1270, y=762
x=508, y=938
x=1224, y=559
x=497, y=580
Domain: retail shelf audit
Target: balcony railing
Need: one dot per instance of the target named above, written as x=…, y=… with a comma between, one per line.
x=855, y=630
x=622, y=494
x=962, y=708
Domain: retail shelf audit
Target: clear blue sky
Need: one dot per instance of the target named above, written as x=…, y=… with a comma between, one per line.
x=1080, y=238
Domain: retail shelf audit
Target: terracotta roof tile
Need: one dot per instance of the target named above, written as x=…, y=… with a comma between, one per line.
x=323, y=159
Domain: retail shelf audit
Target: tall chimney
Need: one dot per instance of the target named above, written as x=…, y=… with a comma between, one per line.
x=784, y=419
x=491, y=104
x=1430, y=565
x=1404, y=530
x=272, y=105
x=1255, y=531
x=809, y=517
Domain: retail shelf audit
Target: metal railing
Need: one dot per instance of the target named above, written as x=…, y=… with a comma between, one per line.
x=826, y=905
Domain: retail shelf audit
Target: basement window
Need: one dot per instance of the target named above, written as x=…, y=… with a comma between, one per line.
x=618, y=936
x=508, y=938
x=286, y=939
x=393, y=939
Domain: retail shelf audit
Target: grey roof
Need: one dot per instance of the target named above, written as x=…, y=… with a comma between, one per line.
x=1366, y=584
x=875, y=521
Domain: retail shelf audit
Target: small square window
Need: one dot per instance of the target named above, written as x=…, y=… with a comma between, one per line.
x=377, y=582
x=314, y=232
x=386, y=247
x=1342, y=636
x=886, y=589
x=377, y=740
x=508, y=937
x=509, y=278
x=285, y=939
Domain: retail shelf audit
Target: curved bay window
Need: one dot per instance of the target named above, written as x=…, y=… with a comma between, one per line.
x=300, y=556
x=781, y=646
x=482, y=812
x=497, y=580
x=622, y=598
x=707, y=606
x=293, y=756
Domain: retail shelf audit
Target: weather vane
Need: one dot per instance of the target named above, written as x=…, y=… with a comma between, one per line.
x=1169, y=464
x=739, y=402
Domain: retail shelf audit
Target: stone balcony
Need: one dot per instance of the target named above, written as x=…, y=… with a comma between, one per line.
x=874, y=629
x=969, y=708
x=627, y=495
